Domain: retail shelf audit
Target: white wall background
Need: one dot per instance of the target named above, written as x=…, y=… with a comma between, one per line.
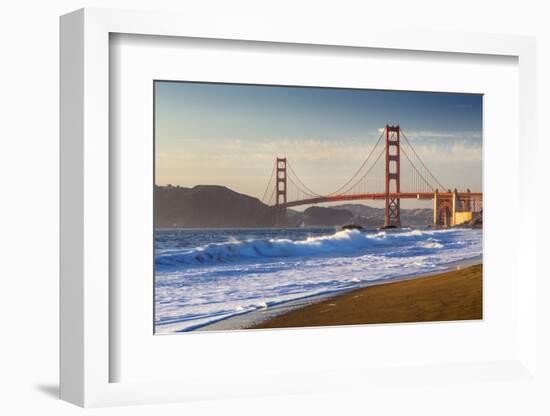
x=29, y=197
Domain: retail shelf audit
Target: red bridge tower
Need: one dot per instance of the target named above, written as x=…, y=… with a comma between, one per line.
x=392, y=176
x=280, y=192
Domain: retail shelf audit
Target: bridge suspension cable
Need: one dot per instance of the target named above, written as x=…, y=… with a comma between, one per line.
x=271, y=199
x=299, y=192
x=417, y=171
x=421, y=161
x=269, y=186
x=360, y=167
x=311, y=193
x=358, y=182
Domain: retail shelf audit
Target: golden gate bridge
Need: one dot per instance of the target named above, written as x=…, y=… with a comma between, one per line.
x=392, y=171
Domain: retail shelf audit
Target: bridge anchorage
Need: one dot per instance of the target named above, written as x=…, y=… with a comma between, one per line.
x=401, y=174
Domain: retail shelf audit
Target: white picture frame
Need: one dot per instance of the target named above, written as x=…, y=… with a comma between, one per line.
x=86, y=356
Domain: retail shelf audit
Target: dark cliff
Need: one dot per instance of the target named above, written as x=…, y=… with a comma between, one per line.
x=208, y=206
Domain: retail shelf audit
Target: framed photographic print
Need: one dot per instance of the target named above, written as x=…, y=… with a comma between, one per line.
x=318, y=211
x=242, y=241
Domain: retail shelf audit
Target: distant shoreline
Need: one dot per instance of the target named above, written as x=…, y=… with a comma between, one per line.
x=216, y=206
x=317, y=227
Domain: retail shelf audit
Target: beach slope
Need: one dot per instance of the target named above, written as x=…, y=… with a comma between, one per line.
x=449, y=296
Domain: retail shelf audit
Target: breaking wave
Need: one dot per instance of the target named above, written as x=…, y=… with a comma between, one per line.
x=341, y=242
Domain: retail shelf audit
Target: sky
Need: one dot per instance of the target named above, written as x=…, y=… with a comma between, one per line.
x=230, y=134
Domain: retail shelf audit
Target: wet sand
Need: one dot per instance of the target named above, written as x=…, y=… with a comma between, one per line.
x=449, y=296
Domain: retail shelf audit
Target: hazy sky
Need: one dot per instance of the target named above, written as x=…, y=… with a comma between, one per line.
x=229, y=135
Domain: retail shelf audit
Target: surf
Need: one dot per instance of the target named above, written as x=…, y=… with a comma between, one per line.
x=339, y=242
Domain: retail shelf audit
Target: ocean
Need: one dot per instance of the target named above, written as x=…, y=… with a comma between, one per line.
x=204, y=276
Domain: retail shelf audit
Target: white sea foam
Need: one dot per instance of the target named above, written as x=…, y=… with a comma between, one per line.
x=200, y=285
x=341, y=242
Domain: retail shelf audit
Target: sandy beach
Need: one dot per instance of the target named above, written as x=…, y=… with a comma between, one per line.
x=448, y=296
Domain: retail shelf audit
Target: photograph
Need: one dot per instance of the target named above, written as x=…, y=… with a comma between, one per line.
x=280, y=206
x=242, y=208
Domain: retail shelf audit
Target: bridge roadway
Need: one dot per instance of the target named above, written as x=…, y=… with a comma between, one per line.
x=380, y=196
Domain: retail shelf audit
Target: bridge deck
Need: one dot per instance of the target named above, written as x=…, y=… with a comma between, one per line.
x=379, y=196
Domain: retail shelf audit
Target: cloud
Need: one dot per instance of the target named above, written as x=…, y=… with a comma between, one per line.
x=427, y=135
x=456, y=152
x=463, y=146
x=324, y=165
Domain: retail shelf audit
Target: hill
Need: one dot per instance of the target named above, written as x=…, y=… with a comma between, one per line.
x=372, y=217
x=326, y=216
x=359, y=214
x=208, y=206
x=213, y=206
